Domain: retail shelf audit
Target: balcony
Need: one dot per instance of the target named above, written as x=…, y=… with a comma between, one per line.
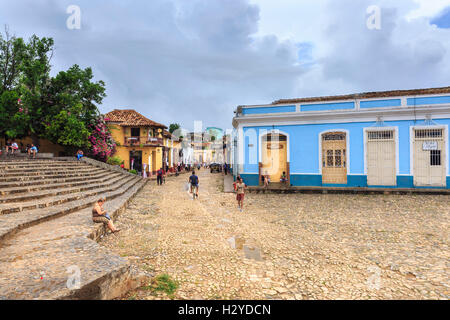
x=145, y=141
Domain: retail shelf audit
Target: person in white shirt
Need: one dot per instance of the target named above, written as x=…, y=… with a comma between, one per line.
x=14, y=147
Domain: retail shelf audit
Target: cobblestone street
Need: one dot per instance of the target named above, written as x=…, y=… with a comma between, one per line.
x=299, y=246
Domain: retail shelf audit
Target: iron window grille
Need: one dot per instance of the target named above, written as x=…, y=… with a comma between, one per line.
x=435, y=157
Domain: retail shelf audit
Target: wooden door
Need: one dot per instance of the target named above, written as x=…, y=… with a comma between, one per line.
x=381, y=162
x=429, y=158
x=274, y=156
x=334, y=158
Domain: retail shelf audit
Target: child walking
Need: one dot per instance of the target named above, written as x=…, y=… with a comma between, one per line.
x=240, y=190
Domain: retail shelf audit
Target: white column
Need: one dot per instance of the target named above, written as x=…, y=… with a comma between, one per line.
x=171, y=153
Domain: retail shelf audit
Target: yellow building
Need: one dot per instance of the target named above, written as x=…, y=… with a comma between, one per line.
x=140, y=141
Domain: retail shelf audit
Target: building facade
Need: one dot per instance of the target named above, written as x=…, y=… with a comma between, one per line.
x=141, y=142
x=394, y=139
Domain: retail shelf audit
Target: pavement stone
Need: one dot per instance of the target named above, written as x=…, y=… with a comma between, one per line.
x=311, y=246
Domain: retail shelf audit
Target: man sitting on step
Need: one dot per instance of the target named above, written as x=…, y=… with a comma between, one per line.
x=14, y=147
x=99, y=215
x=33, y=150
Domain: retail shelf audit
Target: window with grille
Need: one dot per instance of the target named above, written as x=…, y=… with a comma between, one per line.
x=334, y=159
x=381, y=135
x=429, y=133
x=435, y=157
x=334, y=137
x=274, y=137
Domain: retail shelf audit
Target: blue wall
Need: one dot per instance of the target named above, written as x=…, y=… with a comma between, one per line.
x=267, y=110
x=327, y=106
x=380, y=103
x=304, y=150
x=429, y=100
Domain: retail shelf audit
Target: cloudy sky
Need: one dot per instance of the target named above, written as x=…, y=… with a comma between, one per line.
x=186, y=60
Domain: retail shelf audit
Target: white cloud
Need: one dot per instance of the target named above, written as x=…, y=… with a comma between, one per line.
x=180, y=61
x=428, y=8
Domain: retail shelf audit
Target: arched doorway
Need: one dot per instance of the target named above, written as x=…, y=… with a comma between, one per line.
x=334, y=158
x=274, y=159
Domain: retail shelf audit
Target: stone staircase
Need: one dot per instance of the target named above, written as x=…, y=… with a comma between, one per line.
x=46, y=228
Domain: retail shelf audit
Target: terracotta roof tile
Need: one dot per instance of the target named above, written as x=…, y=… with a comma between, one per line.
x=167, y=134
x=368, y=95
x=129, y=117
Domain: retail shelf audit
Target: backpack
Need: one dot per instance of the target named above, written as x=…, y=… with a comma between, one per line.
x=159, y=172
x=194, y=179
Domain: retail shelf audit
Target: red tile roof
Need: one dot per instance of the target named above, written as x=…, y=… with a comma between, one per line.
x=368, y=95
x=167, y=134
x=131, y=118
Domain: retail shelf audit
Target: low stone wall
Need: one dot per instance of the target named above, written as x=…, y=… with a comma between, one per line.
x=105, y=166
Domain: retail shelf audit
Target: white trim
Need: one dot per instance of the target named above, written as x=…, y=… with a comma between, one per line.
x=411, y=145
x=368, y=115
x=396, y=141
x=346, y=100
x=270, y=105
x=347, y=138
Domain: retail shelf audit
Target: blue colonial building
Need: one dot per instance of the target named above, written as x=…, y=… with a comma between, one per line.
x=394, y=139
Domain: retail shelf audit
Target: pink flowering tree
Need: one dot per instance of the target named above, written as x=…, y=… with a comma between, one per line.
x=102, y=145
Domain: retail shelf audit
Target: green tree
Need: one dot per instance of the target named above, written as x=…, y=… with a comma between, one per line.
x=73, y=111
x=173, y=127
x=12, y=51
x=62, y=109
x=66, y=129
x=34, y=83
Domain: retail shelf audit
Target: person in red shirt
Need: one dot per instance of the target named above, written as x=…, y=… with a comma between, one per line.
x=159, y=176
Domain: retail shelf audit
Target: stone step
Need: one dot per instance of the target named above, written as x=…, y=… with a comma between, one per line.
x=38, y=187
x=38, y=169
x=12, y=223
x=35, y=161
x=53, y=250
x=41, y=166
x=24, y=155
x=26, y=183
x=84, y=173
x=52, y=193
x=46, y=172
x=23, y=207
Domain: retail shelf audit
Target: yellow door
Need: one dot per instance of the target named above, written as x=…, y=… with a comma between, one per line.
x=274, y=157
x=334, y=158
x=153, y=168
x=429, y=158
x=381, y=164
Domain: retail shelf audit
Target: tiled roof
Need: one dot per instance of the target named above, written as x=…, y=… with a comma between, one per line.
x=129, y=118
x=167, y=134
x=368, y=95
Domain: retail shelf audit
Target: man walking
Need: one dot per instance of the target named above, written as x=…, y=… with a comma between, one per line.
x=193, y=180
x=159, y=176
